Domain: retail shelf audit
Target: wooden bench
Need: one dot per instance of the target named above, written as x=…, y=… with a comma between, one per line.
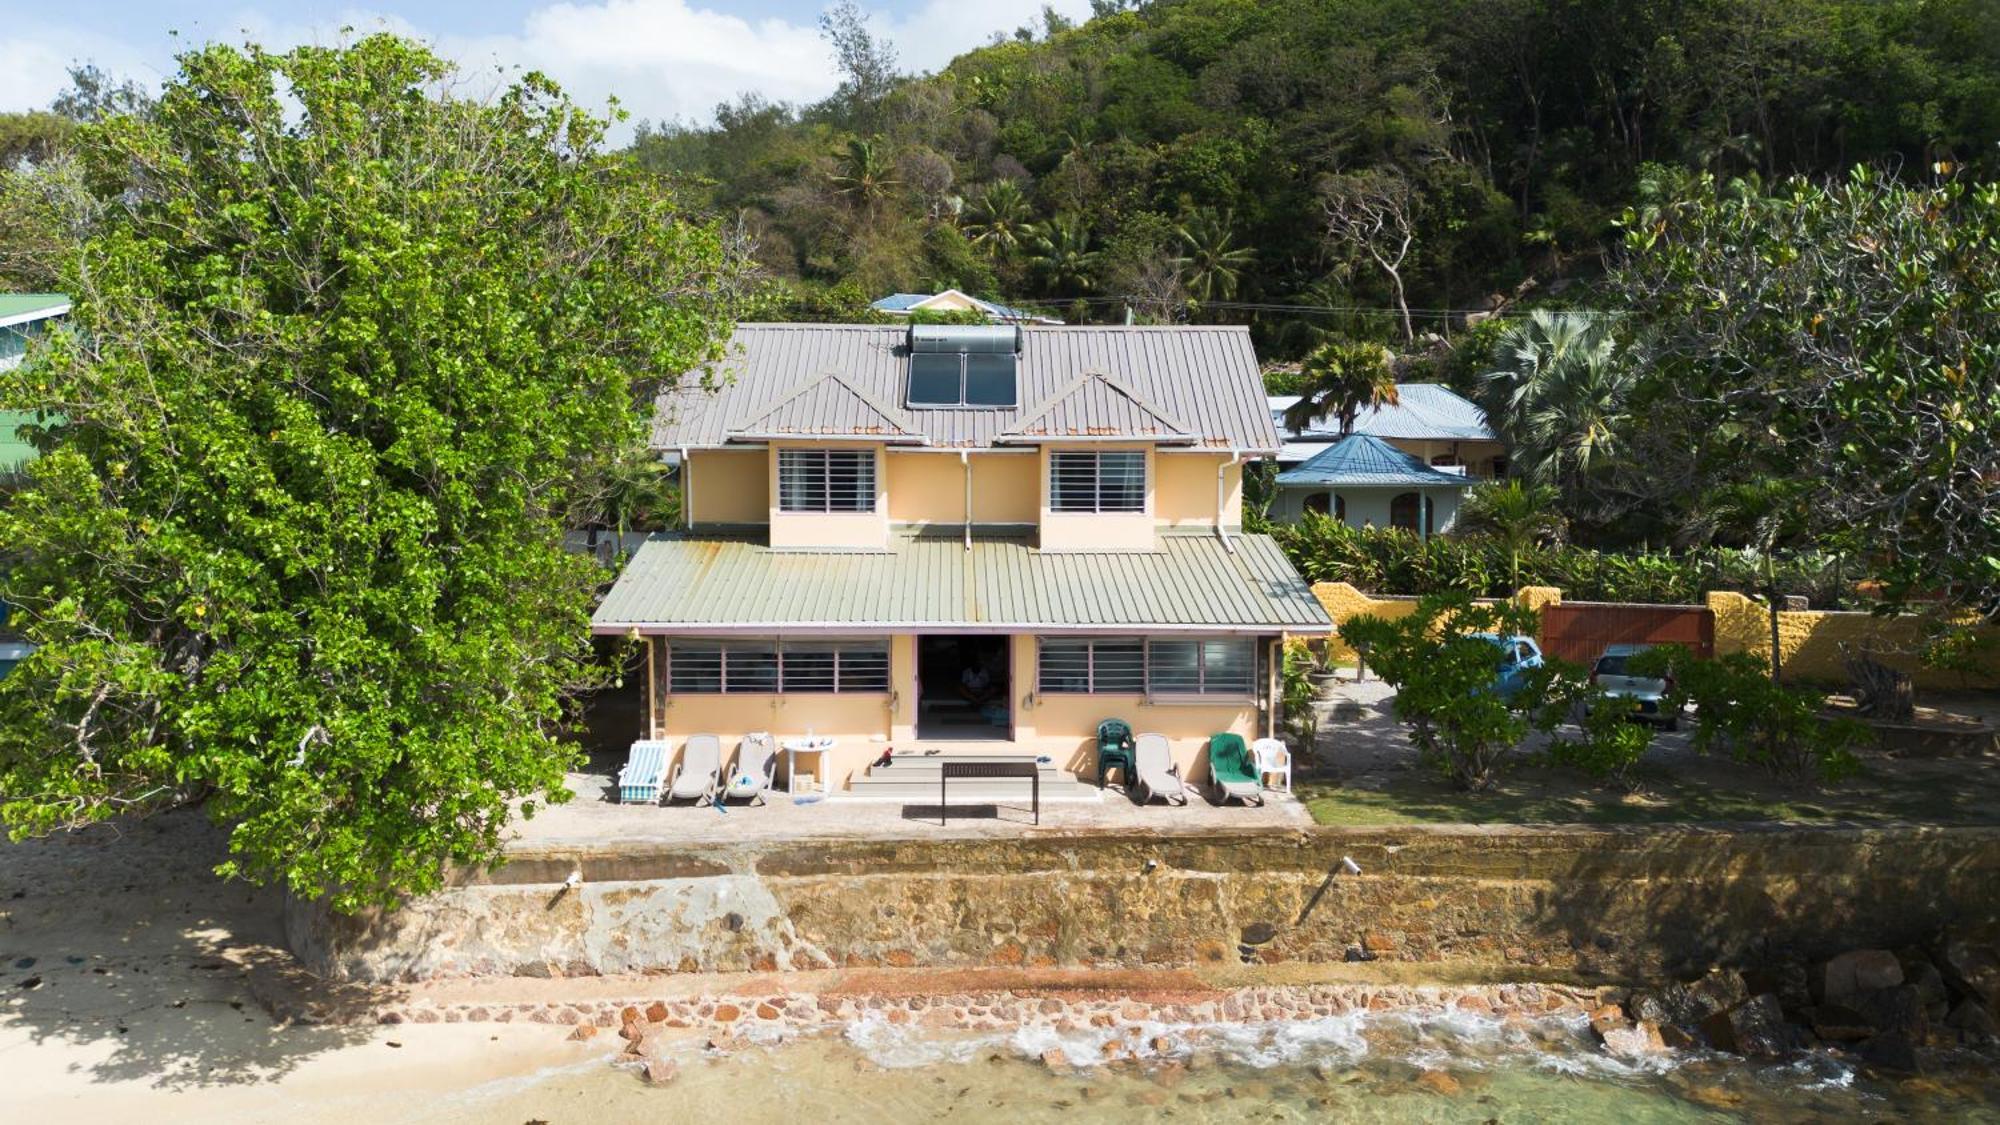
x=983, y=770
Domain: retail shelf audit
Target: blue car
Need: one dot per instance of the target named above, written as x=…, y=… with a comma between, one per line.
x=1517, y=655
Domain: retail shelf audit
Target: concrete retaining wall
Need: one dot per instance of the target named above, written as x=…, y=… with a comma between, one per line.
x=1623, y=903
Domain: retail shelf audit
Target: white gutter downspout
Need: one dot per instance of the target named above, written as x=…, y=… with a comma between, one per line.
x=1221, y=496
x=687, y=490
x=965, y=459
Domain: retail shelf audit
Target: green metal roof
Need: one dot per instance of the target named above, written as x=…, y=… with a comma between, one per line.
x=14, y=449
x=1191, y=583
x=17, y=308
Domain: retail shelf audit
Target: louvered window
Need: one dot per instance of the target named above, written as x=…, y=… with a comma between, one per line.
x=1078, y=666
x=1097, y=482
x=739, y=667
x=1218, y=667
x=826, y=480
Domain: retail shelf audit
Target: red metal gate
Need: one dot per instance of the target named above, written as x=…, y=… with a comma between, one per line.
x=1579, y=631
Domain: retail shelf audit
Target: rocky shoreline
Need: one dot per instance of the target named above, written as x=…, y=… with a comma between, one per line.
x=1885, y=1008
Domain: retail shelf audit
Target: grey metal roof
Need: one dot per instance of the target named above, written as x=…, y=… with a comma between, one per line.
x=1192, y=582
x=1423, y=411
x=1097, y=406
x=1203, y=377
x=1359, y=459
x=829, y=405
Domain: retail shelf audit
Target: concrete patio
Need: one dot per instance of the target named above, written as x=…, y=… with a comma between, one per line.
x=595, y=816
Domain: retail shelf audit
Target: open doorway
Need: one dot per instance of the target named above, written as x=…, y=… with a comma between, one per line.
x=963, y=688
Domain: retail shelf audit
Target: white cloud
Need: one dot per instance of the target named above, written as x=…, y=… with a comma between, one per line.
x=663, y=59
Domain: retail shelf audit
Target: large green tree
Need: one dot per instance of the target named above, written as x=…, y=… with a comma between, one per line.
x=351, y=354
x=1842, y=337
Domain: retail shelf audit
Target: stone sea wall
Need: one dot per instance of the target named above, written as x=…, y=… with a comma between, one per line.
x=1596, y=904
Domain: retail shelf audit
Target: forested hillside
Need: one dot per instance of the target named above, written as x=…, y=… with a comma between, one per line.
x=1202, y=157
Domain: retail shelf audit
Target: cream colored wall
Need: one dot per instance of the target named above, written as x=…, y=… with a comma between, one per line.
x=1094, y=531
x=930, y=487
x=1061, y=726
x=860, y=530
x=1065, y=726
x=1006, y=488
x=728, y=486
x=1185, y=495
x=925, y=488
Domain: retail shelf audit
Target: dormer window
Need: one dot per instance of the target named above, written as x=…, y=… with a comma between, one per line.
x=973, y=367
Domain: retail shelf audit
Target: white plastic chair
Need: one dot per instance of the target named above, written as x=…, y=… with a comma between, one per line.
x=1270, y=756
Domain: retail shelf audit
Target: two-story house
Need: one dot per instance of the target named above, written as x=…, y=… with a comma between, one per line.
x=913, y=537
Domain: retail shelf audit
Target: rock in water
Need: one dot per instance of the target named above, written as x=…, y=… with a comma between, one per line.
x=1974, y=1019
x=1838, y=1023
x=1756, y=1029
x=1856, y=971
x=1892, y=1009
x=1972, y=970
x=1891, y=1051
x=1634, y=1042
x=659, y=1072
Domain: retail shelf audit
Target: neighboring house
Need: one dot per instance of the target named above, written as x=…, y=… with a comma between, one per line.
x=952, y=301
x=1429, y=421
x=1363, y=481
x=23, y=318
x=908, y=537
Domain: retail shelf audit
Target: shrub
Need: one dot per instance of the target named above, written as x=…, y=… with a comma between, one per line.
x=1390, y=560
x=1740, y=710
x=1607, y=745
x=1447, y=683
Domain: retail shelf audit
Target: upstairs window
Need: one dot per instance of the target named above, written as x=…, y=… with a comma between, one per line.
x=1097, y=482
x=964, y=367
x=826, y=480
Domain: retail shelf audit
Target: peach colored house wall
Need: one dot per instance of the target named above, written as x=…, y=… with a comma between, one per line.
x=728, y=486
x=1095, y=531
x=866, y=530
x=864, y=724
x=1185, y=496
x=930, y=487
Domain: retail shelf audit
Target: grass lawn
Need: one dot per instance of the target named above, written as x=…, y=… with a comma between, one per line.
x=1953, y=791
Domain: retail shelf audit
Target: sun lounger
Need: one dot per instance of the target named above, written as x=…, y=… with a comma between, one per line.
x=701, y=766
x=756, y=767
x=1157, y=776
x=645, y=768
x=1230, y=768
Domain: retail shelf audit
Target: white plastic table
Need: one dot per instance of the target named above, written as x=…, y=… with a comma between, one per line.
x=794, y=747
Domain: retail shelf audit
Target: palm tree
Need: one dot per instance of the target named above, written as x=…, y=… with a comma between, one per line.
x=1341, y=377
x=1213, y=261
x=1000, y=220
x=1557, y=394
x=1060, y=249
x=1519, y=515
x=863, y=174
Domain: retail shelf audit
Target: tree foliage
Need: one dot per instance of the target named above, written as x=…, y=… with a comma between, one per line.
x=1843, y=339
x=1447, y=681
x=349, y=355
x=1504, y=137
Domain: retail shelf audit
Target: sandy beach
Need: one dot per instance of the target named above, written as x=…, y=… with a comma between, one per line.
x=129, y=989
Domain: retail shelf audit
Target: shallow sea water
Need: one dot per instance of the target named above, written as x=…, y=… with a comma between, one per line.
x=1374, y=1067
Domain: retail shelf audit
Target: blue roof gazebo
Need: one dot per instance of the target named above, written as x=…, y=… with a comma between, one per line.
x=1361, y=477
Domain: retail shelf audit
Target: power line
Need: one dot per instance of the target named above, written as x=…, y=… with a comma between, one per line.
x=1274, y=306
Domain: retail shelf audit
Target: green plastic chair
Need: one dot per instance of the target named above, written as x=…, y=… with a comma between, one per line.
x=1114, y=748
x=1230, y=768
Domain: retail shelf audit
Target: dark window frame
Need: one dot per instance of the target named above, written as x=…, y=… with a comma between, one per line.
x=962, y=400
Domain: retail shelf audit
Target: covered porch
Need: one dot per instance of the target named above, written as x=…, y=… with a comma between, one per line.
x=939, y=648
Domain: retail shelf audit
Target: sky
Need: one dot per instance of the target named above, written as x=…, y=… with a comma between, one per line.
x=665, y=60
